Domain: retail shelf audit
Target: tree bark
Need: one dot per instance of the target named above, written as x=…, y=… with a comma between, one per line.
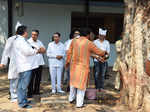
x=135, y=49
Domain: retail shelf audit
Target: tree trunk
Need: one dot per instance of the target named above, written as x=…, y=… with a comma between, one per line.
x=135, y=49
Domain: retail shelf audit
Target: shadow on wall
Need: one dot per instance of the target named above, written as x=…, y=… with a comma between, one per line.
x=3, y=24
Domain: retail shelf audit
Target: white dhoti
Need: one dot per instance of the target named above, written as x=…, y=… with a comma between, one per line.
x=56, y=72
x=78, y=94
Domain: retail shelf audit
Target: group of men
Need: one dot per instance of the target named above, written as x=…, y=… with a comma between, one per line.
x=25, y=65
x=26, y=62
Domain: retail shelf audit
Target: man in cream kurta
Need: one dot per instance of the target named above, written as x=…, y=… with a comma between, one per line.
x=78, y=57
x=116, y=66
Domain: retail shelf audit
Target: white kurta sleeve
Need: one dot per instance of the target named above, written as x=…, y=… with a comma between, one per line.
x=26, y=48
x=49, y=52
x=6, y=51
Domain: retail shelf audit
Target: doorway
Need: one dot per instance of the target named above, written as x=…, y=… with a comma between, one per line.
x=112, y=22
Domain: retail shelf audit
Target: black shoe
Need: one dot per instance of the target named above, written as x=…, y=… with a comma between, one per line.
x=106, y=76
x=27, y=106
x=71, y=102
x=29, y=96
x=68, y=88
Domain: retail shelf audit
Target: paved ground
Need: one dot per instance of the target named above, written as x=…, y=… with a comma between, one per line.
x=106, y=102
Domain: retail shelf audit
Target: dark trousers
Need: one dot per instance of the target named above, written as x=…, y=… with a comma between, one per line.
x=106, y=72
x=34, y=86
x=99, y=75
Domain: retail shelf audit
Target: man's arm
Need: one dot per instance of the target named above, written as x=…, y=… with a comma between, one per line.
x=96, y=50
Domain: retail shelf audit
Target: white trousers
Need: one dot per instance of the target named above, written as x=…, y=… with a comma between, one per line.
x=56, y=73
x=78, y=94
x=13, y=89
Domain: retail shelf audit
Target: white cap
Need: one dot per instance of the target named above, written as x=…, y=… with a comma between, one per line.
x=17, y=25
x=102, y=32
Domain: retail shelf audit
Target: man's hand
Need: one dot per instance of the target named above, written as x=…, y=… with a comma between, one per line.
x=66, y=65
x=106, y=53
x=95, y=56
x=42, y=49
x=101, y=59
x=59, y=57
x=2, y=66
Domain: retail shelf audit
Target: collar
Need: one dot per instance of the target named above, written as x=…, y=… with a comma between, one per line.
x=32, y=40
x=57, y=43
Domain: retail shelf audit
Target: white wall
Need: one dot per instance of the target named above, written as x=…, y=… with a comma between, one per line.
x=3, y=24
x=50, y=18
x=47, y=18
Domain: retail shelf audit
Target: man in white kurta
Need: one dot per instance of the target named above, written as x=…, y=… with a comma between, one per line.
x=55, y=54
x=8, y=53
x=34, y=86
x=25, y=62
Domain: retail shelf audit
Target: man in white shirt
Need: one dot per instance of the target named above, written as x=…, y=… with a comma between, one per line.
x=24, y=58
x=55, y=54
x=34, y=86
x=100, y=65
x=8, y=53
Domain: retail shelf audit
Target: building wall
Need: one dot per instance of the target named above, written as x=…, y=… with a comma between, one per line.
x=3, y=24
x=50, y=18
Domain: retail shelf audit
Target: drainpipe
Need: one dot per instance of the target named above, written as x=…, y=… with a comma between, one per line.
x=10, y=17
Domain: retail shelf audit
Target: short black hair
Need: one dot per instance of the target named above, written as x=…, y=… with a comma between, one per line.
x=73, y=31
x=57, y=34
x=52, y=38
x=71, y=36
x=85, y=31
x=35, y=30
x=21, y=30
